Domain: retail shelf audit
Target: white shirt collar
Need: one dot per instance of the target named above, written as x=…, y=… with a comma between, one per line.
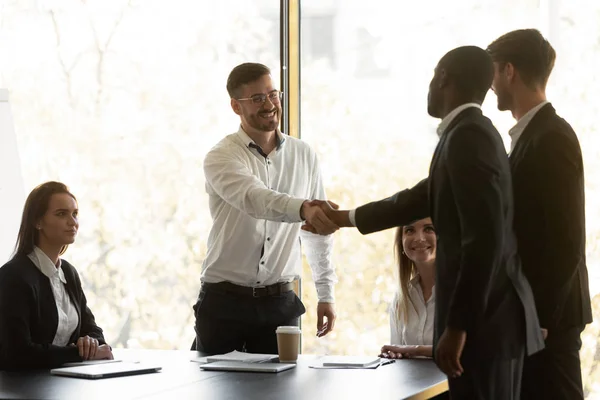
x=516, y=131
x=45, y=264
x=248, y=140
x=451, y=115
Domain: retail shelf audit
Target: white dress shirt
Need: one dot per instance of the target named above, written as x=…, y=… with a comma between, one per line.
x=255, y=205
x=67, y=314
x=419, y=327
x=440, y=130
x=447, y=120
x=516, y=131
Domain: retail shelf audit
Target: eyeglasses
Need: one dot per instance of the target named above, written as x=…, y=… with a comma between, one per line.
x=274, y=97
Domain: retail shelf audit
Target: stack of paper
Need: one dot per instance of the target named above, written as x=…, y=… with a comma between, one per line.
x=365, y=362
x=238, y=356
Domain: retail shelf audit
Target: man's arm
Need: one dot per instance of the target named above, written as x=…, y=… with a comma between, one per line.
x=400, y=209
x=318, y=250
x=474, y=171
x=560, y=186
x=235, y=183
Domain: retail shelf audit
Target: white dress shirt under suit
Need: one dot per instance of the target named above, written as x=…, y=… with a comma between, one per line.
x=516, y=131
x=67, y=314
x=255, y=203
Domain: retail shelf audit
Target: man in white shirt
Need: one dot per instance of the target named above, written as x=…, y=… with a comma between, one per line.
x=259, y=182
x=549, y=191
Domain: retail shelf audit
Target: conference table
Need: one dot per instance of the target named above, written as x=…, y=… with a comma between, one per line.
x=182, y=379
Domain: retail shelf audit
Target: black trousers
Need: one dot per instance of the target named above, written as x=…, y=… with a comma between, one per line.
x=488, y=379
x=555, y=372
x=228, y=321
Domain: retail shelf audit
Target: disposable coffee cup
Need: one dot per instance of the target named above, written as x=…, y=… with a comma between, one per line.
x=288, y=343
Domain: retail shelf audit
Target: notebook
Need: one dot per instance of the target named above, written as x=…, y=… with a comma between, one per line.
x=350, y=361
x=246, y=366
x=110, y=370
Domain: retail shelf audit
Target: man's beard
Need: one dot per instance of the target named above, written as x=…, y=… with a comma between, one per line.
x=266, y=125
x=504, y=100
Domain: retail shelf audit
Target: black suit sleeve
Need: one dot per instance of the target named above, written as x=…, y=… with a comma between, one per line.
x=17, y=308
x=400, y=209
x=88, y=322
x=474, y=170
x=560, y=186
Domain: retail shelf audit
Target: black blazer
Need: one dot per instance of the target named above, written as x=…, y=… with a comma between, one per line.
x=479, y=287
x=29, y=318
x=547, y=170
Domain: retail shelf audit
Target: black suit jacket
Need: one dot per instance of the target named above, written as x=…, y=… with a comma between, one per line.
x=547, y=170
x=29, y=318
x=480, y=287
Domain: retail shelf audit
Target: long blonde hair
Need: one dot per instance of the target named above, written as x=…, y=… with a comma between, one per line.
x=406, y=271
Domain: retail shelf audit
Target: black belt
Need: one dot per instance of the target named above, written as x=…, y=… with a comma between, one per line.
x=258, y=291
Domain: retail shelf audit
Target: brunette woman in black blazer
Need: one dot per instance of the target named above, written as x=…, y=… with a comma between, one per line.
x=44, y=318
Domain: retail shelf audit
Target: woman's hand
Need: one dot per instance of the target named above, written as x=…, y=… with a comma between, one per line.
x=88, y=347
x=394, y=351
x=104, y=352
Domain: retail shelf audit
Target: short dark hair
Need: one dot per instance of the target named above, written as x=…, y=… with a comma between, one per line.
x=36, y=206
x=244, y=74
x=471, y=70
x=528, y=51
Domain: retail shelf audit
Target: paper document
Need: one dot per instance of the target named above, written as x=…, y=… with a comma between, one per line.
x=343, y=362
x=237, y=356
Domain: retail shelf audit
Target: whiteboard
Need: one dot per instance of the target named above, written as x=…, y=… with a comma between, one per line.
x=12, y=192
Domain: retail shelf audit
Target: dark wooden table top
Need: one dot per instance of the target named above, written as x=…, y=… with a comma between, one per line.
x=182, y=379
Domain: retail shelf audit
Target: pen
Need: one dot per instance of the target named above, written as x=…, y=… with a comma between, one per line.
x=387, y=361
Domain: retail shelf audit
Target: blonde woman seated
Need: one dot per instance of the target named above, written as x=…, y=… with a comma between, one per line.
x=412, y=311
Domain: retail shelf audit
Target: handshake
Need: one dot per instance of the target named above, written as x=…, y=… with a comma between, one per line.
x=323, y=217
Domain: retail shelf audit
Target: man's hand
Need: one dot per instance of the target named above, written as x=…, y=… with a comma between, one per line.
x=315, y=216
x=330, y=210
x=325, y=310
x=449, y=351
x=544, y=333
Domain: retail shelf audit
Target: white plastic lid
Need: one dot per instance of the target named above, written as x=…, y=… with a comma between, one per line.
x=287, y=329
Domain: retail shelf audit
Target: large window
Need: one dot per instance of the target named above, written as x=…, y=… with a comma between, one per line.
x=364, y=111
x=121, y=100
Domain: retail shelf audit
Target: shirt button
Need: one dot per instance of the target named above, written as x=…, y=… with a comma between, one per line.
x=262, y=263
x=268, y=162
x=268, y=239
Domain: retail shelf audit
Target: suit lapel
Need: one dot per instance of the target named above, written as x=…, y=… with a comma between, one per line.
x=529, y=133
x=466, y=113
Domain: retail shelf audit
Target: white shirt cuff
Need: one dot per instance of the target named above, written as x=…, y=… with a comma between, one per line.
x=325, y=293
x=352, y=217
x=293, y=210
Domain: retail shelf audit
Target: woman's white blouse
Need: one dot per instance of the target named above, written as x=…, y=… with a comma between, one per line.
x=419, y=327
x=67, y=314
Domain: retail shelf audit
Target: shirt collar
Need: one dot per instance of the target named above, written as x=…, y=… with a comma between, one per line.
x=516, y=131
x=248, y=142
x=415, y=284
x=46, y=266
x=453, y=114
